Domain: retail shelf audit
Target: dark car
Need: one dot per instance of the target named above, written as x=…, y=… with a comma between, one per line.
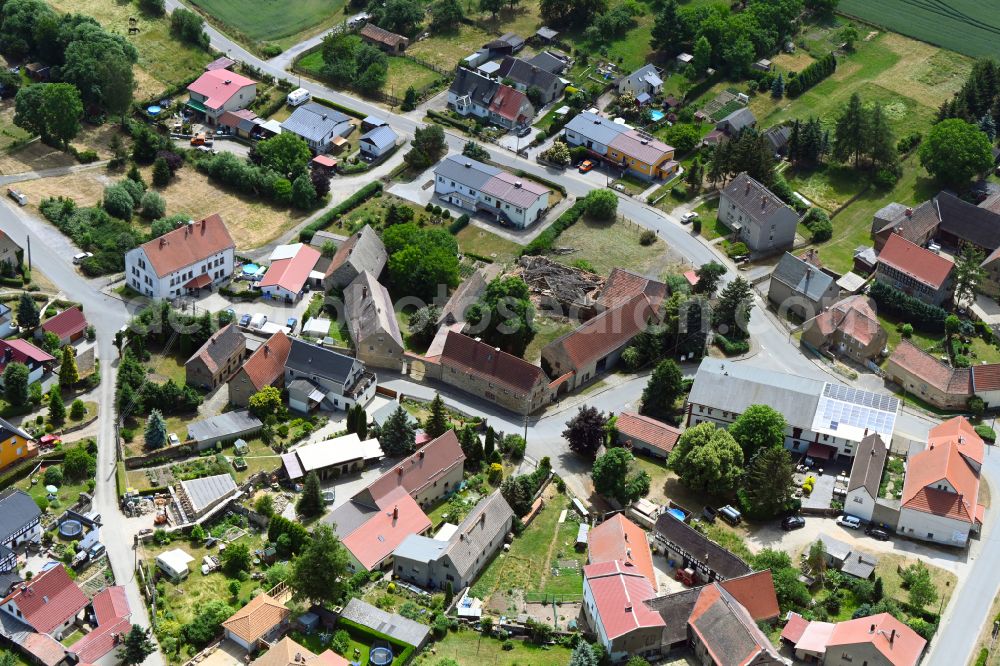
x=876, y=533
x=245, y=320
x=793, y=523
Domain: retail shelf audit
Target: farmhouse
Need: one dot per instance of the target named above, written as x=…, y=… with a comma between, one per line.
x=932, y=380
x=914, y=270
x=757, y=216
x=622, y=146
x=363, y=251
x=850, y=328
x=69, y=326
x=879, y=640
x=195, y=256
x=478, y=187
x=287, y=276
x=866, y=476
x=220, y=90
x=798, y=287
x=372, y=323
x=389, y=42
x=197, y=497
x=618, y=538
x=265, y=367
x=691, y=549
x=218, y=359
x=317, y=125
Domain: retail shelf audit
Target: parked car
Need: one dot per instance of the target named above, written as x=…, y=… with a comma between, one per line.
x=793, y=523
x=19, y=197
x=586, y=166
x=524, y=131
x=81, y=257
x=688, y=217
x=850, y=522
x=709, y=513
x=245, y=320
x=292, y=323
x=876, y=533
x=173, y=439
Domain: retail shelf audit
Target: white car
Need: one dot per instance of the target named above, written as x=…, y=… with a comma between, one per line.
x=850, y=522
x=83, y=256
x=688, y=217
x=173, y=439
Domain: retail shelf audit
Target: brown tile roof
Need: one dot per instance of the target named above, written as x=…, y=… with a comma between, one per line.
x=755, y=592
x=287, y=652
x=188, y=244
x=653, y=432
x=727, y=631
x=267, y=364
x=986, y=377
x=915, y=227
x=507, y=103
x=478, y=358
x=917, y=262
x=220, y=347
x=606, y=332
x=381, y=35
x=930, y=370
x=424, y=467
x=622, y=285
x=262, y=614
x=67, y=323
x=398, y=517
x=853, y=316
x=618, y=538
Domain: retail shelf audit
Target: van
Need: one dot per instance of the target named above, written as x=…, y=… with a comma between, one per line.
x=20, y=198
x=96, y=551
x=298, y=96
x=731, y=515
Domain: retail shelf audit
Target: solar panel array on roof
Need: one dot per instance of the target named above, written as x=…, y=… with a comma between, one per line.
x=845, y=406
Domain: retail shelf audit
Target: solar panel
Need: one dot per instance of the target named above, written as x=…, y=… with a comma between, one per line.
x=858, y=408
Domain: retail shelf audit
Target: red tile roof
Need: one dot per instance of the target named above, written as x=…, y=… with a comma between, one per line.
x=218, y=86
x=853, y=316
x=919, y=263
x=398, y=517
x=618, y=594
x=188, y=244
x=794, y=628
x=618, y=538
x=267, y=363
x=507, y=103
x=381, y=35
x=986, y=377
x=291, y=274
x=482, y=360
x=653, y=432
x=111, y=605
x=45, y=649
x=904, y=649
x=930, y=370
x=622, y=285
x=23, y=351
x=257, y=618
x=608, y=331
x=944, y=461
x=49, y=600
x=726, y=629
x=755, y=592
x=421, y=469
x=66, y=324
x=112, y=611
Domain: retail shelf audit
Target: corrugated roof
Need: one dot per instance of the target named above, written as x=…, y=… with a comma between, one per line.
x=207, y=490
x=381, y=35
x=394, y=626
x=67, y=323
x=227, y=424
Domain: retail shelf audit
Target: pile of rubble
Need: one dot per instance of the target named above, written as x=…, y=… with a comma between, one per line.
x=557, y=286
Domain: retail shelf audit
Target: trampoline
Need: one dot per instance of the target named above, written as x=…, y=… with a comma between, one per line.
x=70, y=529
x=380, y=656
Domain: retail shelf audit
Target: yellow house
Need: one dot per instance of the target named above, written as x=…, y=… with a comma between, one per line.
x=15, y=444
x=643, y=154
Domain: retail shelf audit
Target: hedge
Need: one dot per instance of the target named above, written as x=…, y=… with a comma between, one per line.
x=811, y=75
x=347, y=205
x=459, y=224
x=340, y=107
x=544, y=241
x=479, y=257
x=731, y=347
x=448, y=120
x=926, y=317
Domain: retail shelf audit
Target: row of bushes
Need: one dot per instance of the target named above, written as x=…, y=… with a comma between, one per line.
x=818, y=223
x=447, y=120
x=350, y=203
x=544, y=241
x=922, y=315
x=731, y=347
x=811, y=75
x=340, y=107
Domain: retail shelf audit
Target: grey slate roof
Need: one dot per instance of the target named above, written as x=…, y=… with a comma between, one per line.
x=419, y=549
x=801, y=277
x=648, y=74
x=718, y=559
x=348, y=517
x=394, y=626
x=382, y=136
x=466, y=294
x=734, y=387
x=204, y=491
x=364, y=251
x=860, y=565
x=474, y=85
x=595, y=128
x=314, y=122
x=778, y=136
x=228, y=424
x=548, y=62
x=310, y=359
x=8, y=429
x=756, y=201
x=967, y=222
x=675, y=609
x=869, y=461
x=17, y=509
x=466, y=171
x=488, y=520
x=737, y=120
x=220, y=347
x=526, y=73
x=369, y=310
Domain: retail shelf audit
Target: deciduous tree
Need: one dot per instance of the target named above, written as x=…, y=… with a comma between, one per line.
x=662, y=390
x=586, y=431
x=969, y=274
x=707, y=459
x=615, y=478
x=15, y=384
x=954, y=151
x=759, y=427
x=320, y=570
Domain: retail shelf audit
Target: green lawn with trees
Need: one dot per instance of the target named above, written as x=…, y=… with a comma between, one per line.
x=282, y=23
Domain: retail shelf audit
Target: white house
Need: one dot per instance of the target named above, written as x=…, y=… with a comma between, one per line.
x=195, y=256
x=866, y=475
x=474, y=186
x=646, y=79
x=174, y=563
x=940, y=500
x=217, y=91
x=377, y=142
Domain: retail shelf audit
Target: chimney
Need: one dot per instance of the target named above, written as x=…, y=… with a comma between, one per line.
x=267, y=350
x=892, y=636
x=203, y=225
x=518, y=184
x=468, y=165
x=866, y=434
x=628, y=608
x=228, y=81
x=628, y=553
x=909, y=212
x=395, y=512
x=421, y=454
x=763, y=202
x=163, y=241
x=364, y=291
x=871, y=630
x=746, y=192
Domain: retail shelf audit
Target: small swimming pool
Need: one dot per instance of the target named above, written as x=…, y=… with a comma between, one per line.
x=657, y=115
x=677, y=513
x=250, y=269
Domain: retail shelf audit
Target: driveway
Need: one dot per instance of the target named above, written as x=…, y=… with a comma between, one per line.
x=276, y=311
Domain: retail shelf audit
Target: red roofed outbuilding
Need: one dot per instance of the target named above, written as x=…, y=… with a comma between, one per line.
x=646, y=435
x=915, y=270
x=69, y=326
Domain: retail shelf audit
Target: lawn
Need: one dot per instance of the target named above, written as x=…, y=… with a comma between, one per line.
x=272, y=20
x=470, y=648
x=163, y=60
x=527, y=565
x=487, y=244
x=966, y=26
x=829, y=186
x=607, y=245
x=66, y=495
x=547, y=329
x=944, y=581
x=9, y=132
x=167, y=366
x=404, y=73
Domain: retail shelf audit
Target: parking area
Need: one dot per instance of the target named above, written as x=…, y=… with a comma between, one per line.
x=276, y=311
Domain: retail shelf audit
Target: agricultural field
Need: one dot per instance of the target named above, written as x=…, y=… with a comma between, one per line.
x=274, y=21
x=967, y=26
x=163, y=60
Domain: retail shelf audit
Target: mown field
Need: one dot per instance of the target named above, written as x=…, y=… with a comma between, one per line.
x=971, y=27
x=274, y=20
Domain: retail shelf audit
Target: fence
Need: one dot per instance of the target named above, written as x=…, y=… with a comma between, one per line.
x=546, y=598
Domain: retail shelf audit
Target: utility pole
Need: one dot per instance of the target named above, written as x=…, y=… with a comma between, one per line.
x=29, y=253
